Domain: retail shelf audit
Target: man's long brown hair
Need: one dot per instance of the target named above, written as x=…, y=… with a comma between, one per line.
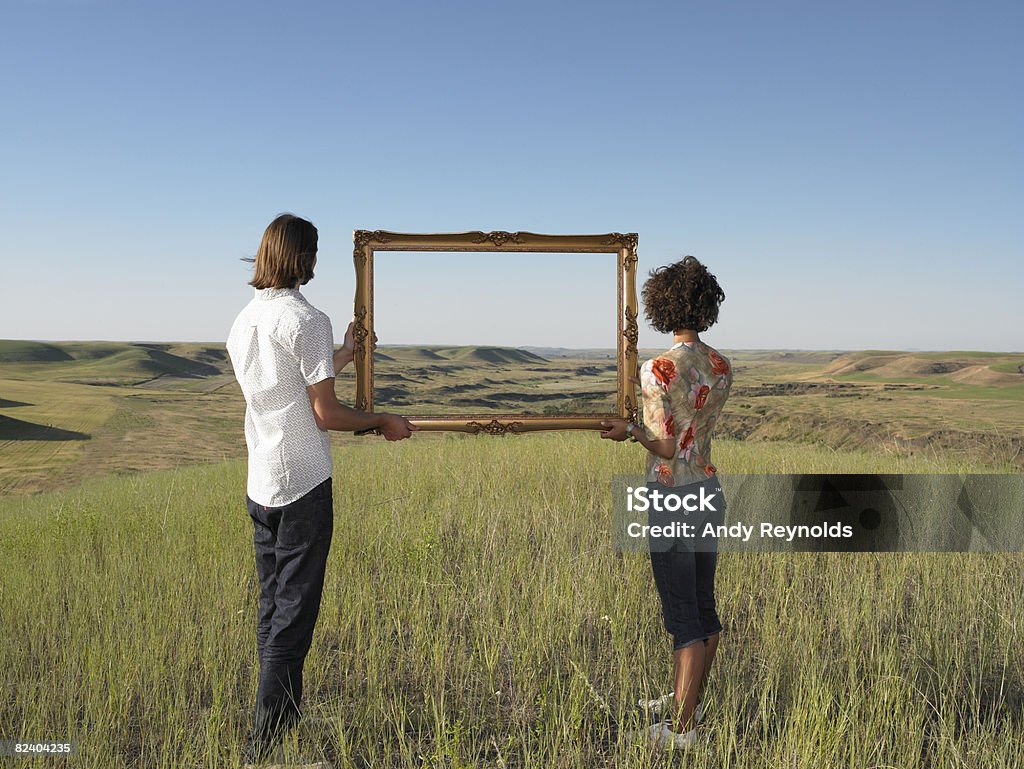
x=287, y=254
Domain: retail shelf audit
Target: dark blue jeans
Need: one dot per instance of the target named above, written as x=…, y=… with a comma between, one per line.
x=684, y=568
x=292, y=543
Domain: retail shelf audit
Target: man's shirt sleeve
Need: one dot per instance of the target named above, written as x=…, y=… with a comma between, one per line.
x=314, y=348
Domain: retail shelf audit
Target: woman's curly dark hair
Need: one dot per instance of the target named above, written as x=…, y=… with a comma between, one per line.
x=682, y=295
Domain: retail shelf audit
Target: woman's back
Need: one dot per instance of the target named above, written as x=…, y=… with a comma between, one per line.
x=684, y=390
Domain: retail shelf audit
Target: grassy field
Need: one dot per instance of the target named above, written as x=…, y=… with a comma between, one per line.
x=475, y=612
x=477, y=616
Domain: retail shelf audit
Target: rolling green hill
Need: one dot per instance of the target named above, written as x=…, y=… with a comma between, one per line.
x=17, y=351
x=480, y=354
x=459, y=354
x=107, y=363
x=971, y=367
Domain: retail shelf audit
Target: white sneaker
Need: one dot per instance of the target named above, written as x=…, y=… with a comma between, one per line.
x=297, y=763
x=277, y=760
x=664, y=703
x=661, y=735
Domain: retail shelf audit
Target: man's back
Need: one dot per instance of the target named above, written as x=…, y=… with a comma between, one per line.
x=279, y=344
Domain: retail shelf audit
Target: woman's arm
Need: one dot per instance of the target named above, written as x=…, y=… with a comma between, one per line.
x=664, y=448
x=347, y=353
x=619, y=430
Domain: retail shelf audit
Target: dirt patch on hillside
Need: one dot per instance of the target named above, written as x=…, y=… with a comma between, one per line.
x=849, y=364
x=983, y=375
x=893, y=365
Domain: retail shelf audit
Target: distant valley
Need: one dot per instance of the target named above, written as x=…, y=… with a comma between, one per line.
x=74, y=410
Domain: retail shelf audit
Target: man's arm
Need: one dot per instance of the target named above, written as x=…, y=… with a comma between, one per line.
x=332, y=415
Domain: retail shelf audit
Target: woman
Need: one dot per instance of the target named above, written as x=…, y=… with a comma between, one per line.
x=683, y=392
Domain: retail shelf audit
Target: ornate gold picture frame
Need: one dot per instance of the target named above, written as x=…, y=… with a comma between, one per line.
x=624, y=245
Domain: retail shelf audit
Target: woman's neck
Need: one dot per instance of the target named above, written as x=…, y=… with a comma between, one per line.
x=685, y=335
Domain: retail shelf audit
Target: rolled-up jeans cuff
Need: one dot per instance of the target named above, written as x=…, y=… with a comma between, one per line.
x=678, y=644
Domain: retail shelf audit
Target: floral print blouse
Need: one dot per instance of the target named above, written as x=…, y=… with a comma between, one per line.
x=683, y=391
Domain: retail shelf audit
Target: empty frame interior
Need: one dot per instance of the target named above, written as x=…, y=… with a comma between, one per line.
x=496, y=332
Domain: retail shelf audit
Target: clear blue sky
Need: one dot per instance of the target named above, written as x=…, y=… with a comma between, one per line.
x=852, y=172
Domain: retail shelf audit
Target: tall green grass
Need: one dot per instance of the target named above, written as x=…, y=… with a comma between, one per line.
x=476, y=615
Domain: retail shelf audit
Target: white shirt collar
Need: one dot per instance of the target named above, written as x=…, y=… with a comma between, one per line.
x=274, y=293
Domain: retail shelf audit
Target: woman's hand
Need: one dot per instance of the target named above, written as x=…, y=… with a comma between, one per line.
x=347, y=353
x=615, y=430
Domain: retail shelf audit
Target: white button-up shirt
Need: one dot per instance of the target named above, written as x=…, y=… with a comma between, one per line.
x=278, y=345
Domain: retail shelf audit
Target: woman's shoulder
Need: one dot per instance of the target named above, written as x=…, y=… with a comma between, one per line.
x=672, y=354
x=674, y=358
x=710, y=352
x=720, y=365
x=661, y=370
x=697, y=361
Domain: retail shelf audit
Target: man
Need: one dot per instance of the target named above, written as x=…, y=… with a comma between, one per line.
x=282, y=352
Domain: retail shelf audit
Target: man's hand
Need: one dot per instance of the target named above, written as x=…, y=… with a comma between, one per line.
x=615, y=430
x=332, y=415
x=395, y=427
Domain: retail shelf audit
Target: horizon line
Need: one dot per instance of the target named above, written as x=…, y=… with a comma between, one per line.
x=537, y=346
